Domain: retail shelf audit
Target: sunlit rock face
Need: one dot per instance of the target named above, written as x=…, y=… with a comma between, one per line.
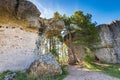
x=16, y=48
x=19, y=12
x=20, y=42
x=19, y=23
x=110, y=42
x=46, y=66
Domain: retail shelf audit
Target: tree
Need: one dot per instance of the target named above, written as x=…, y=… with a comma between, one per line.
x=86, y=30
x=72, y=57
x=80, y=29
x=57, y=16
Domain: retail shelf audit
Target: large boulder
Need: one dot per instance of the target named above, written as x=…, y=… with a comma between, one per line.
x=109, y=47
x=46, y=66
x=19, y=12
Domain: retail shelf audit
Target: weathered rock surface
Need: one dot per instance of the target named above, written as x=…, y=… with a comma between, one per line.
x=110, y=42
x=16, y=48
x=10, y=76
x=20, y=43
x=19, y=12
x=46, y=66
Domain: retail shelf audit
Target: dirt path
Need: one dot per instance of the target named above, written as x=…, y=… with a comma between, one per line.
x=76, y=73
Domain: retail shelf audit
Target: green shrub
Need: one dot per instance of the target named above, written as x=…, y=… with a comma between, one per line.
x=109, y=69
x=2, y=75
x=89, y=58
x=24, y=76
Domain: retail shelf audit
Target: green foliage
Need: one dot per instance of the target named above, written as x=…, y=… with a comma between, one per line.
x=3, y=74
x=83, y=29
x=86, y=30
x=24, y=76
x=55, y=52
x=89, y=58
x=79, y=29
x=57, y=16
x=109, y=69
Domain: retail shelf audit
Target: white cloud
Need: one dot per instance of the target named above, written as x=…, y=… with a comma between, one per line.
x=45, y=12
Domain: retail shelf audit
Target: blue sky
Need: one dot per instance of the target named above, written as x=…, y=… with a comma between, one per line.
x=103, y=11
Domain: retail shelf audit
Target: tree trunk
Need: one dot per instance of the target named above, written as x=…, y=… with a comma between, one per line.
x=50, y=44
x=71, y=52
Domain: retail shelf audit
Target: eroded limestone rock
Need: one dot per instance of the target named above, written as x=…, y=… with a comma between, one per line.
x=20, y=43
x=110, y=42
x=46, y=66
x=16, y=48
x=19, y=12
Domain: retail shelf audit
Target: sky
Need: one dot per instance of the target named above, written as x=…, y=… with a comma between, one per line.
x=103, y=11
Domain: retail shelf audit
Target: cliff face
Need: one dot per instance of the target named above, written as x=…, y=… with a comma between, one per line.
x=16, y=48
x=18, y=20
x=109, y=47
x=20, y=39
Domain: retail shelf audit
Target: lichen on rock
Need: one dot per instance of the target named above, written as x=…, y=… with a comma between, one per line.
x=46, y=66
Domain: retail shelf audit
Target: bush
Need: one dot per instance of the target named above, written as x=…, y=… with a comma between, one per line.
x=89, y=59
x=24, y=76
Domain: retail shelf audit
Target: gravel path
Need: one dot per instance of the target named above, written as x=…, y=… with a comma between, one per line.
x=76, y=73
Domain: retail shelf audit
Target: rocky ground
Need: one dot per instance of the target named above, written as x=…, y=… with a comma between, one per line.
x=76, y=73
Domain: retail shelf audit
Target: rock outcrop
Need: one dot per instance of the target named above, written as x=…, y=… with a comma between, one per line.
x=19, y=12
x=20, y=39
x=109, y=47
x=46, y=66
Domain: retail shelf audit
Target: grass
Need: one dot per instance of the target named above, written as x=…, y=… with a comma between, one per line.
x=109, y=69
x=23, y=75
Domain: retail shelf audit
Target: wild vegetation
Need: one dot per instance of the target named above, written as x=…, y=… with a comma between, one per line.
x=78, y=30
x=109, y=69
x=71, y=39
x=24, y=75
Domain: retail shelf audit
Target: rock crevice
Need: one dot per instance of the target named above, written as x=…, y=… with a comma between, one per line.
x=16, y=7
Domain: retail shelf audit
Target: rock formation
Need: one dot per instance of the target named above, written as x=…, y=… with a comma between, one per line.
x=46, y=66
x=16, y=48
x=20, y=25
x=19, y=12
x=109, y=47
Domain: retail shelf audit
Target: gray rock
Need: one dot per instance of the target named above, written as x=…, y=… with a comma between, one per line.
x=107, y=55
x=28, y=11
x=10, y=76
x=105, y=35
x=21, y=10
x=16, y=52
x=17, y=41
x=46, y=66
x=110, y=42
